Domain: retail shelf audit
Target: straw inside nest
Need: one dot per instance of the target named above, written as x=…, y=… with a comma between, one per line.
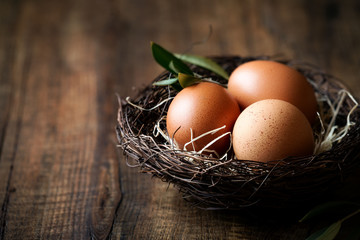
x=224, y=182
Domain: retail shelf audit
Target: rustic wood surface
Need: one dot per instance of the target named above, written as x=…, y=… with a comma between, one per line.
x=61, y=65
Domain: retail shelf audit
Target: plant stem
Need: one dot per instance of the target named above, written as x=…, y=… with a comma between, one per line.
x=350, y=215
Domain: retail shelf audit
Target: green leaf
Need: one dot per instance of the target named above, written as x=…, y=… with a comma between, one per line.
x=326, y=208
x=328, y=233
x=168, y=61
x=165, y=82
x=205, y=63
x=174, y=82
x=187, y=80
x=331, y=231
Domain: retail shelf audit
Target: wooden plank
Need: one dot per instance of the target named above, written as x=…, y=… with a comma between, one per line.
x=57, y=154
x=9, y=95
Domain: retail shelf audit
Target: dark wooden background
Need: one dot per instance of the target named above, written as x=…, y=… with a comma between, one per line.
x=61, y=65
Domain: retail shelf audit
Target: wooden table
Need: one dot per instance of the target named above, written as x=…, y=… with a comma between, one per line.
x=62, y=64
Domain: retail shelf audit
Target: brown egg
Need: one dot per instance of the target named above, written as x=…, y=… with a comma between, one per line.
x=270, y=130
x=260, y=79
x=202, y=107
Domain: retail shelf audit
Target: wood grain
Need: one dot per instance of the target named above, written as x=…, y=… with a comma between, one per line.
x=57, y=154
x=62, y=64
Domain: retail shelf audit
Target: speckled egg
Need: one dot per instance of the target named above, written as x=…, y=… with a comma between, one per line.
x=201, y=108
x=261, y=79
x=270, y=130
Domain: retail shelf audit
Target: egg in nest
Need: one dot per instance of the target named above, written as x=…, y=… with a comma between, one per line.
x=199, y=109
x=270, y=130
x=262, y=79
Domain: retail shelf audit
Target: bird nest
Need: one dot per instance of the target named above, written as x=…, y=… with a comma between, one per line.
x=228, y=183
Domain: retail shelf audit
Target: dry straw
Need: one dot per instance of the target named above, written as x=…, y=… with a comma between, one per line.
x=223, y=182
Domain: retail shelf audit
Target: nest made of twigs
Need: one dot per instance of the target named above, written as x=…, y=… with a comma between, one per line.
x=228, y=183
